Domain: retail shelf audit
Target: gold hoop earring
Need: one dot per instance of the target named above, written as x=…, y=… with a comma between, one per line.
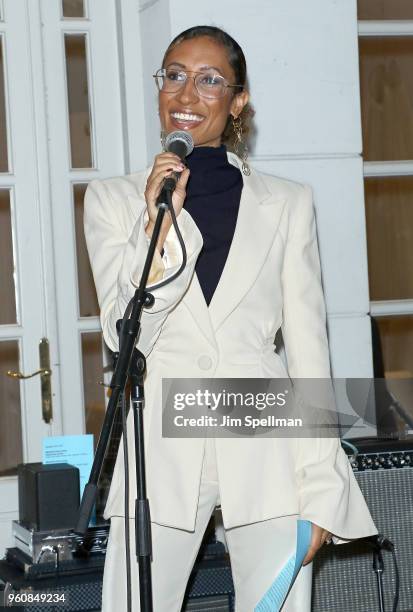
x=240, y=146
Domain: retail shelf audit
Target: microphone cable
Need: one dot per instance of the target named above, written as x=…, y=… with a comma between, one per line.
x=396, y=571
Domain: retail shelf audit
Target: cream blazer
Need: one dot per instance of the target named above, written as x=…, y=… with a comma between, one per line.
x=271, y=279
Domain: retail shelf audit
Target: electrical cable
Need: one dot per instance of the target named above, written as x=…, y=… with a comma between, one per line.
x=353, y=448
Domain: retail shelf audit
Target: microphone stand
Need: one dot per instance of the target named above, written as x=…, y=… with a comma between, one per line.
x=131, y=364
x=380, y=543
x=378, y=567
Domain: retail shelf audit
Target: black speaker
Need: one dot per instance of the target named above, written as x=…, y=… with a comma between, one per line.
x=80, y=592
x=220, y=603
x=343, y=577
x=49, y=495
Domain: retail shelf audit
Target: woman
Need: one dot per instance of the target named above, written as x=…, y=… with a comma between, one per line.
x=251, y=242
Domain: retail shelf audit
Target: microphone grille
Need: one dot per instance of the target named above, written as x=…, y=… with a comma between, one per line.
x=180, y=136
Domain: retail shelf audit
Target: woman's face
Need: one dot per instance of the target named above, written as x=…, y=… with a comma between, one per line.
x=209, y=115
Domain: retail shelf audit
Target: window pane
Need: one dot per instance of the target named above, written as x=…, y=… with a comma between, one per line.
x=386, y=81
x=78, y=101
x=385, y=9
x=4, y=158
x=389, y=217
x=88, y=303
x=11, y=448
x=7, y=281
x=73, y=8
x=94, y=392
x=396, y=335
x=395, y=349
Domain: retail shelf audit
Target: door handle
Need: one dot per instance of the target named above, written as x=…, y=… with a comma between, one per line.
x=22, y=376
x=45, y=374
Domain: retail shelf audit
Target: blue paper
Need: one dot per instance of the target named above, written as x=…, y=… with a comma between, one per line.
x=75, y=450
x=278, y=591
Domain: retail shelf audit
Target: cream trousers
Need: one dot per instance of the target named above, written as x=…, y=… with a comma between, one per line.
x=258, y=551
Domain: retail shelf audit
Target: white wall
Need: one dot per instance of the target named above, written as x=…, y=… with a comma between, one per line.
x=303, y=69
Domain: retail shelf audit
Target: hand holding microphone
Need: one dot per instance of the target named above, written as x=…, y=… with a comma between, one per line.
x=168, y=168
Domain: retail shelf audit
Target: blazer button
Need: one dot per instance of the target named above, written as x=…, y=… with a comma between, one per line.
x=205, y=362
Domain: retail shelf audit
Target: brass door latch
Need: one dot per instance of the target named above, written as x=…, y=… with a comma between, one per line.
x=45, y=374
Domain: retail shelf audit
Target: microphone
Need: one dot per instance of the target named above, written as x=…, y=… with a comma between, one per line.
x=182, y=144
x=378, y=542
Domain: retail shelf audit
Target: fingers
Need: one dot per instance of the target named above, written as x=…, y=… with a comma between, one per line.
x=326, y=537
x=183, y=179
x=158, y=175
x=179, y=194
x=163, y=157
x=181, y=183
x=164, y=165
x=318, y=537
x=166, y=161
x=314, y=546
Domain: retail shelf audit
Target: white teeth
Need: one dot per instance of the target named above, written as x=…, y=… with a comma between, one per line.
x=186, y=117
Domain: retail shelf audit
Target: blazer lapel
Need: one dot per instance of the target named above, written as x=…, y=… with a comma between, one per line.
x=193, y=298
x=258, y=218
x=197, y=307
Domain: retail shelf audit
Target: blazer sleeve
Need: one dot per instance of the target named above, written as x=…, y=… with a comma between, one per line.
x=304, y=315
x=117, y=250
x=329, y=494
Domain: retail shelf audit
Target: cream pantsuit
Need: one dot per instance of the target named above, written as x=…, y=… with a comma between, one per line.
x=258, y=552
x=271, y=279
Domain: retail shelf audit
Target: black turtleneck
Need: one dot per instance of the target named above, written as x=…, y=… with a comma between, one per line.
x=213, y=196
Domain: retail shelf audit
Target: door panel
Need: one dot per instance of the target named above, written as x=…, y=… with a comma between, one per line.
x=85, y=121
x=23, y=320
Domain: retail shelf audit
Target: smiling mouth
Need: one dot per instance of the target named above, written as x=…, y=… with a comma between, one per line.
x=187, y=117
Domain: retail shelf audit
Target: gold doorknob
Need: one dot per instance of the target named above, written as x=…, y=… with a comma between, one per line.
x=20, y=375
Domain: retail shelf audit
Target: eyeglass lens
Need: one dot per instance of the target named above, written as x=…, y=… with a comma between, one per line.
x=208, y=84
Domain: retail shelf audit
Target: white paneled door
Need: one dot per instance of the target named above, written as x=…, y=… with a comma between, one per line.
x=61, y=125
x=25, y=279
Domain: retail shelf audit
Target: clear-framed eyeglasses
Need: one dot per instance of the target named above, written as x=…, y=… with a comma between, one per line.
x=208, y=84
